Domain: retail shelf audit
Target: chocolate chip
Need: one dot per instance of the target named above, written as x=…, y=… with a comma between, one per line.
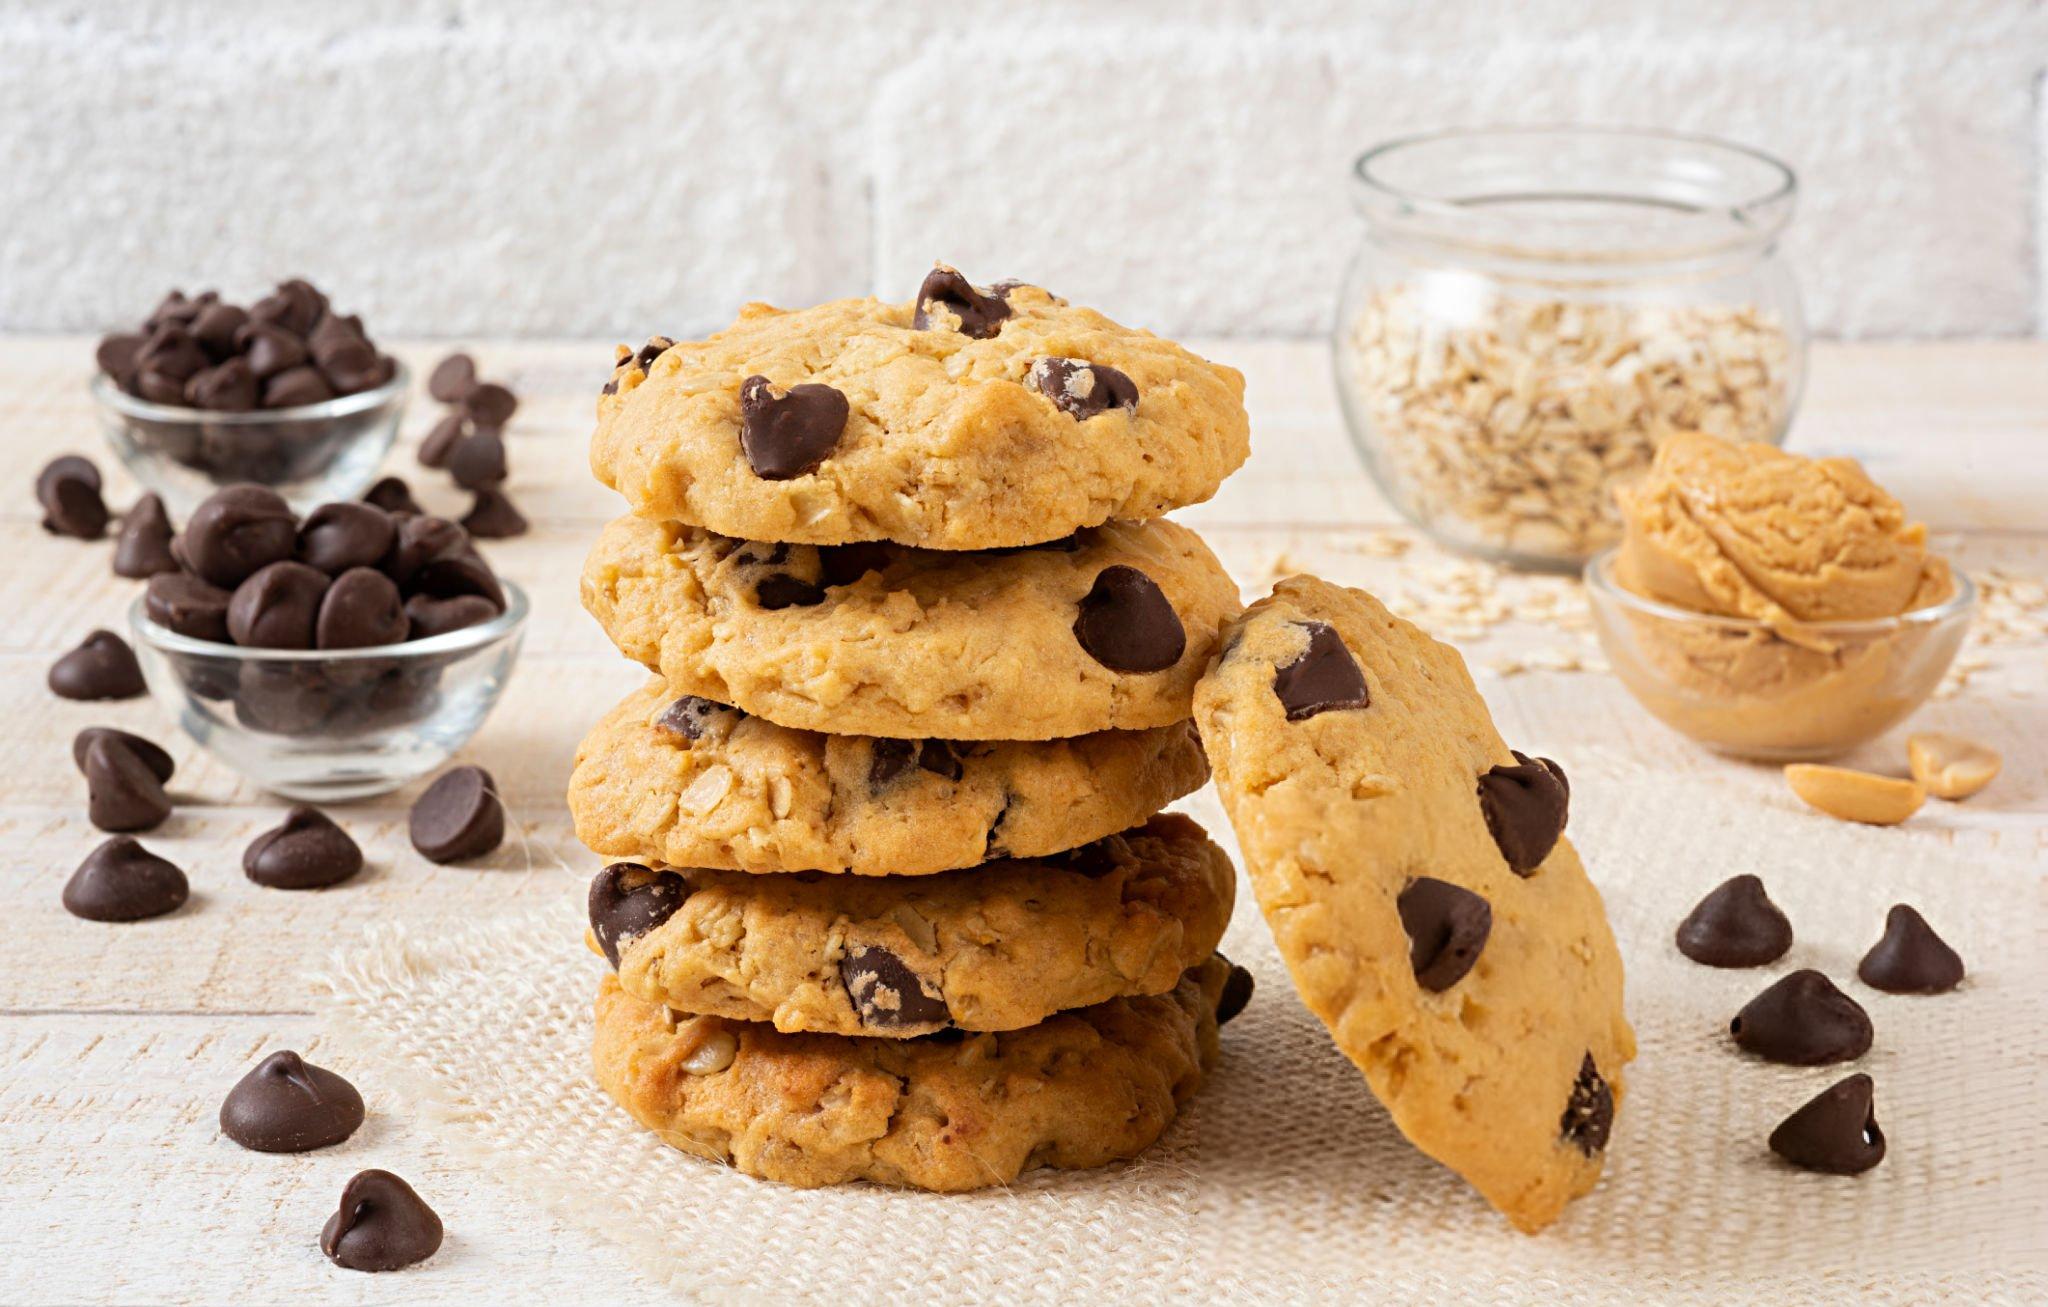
x=1911, y=958
x=228, y=387
x=1325, y=677
x=655, y=347
x=889, y=759
x=152, y=754
x=307, y=851
x=1237, y=991
x=101, y=667
x=461, y=573
x=422, y=540
x=452, y=378
x=296, y=388
x=627, y=900
x=122, y=881
x=1447, y=926
x=171, y=353
x=123, y=791
x=691, y=716
x=283, y=698
x=181, y=602
x=845, y=564
x=1128, y=625
x=1735, y=926
x=458, y=817
x=288, y=1105
x=428, y=617
x=493, y=517
x=1093, y=860
x=175, y=307
x=381, y=1225
x=237, y=530
x=490, y=404
x=69, y=491
x=271, y=350
x=442, y=439
x=940, y=758
x=295, y=304
x=1525, y=806
x=886, y=992
x=393, y=496
x=478, y=459
x=142, y=548
x=780, y=590
x=276, y=607
x=158, y=388
x=788, y=435
x=1082, y=390
x=361, y=610
x=217, y=326
x=1589, y=1111
x=344, y=535
x=979, y=315
x=1836, y=1132
x=1803, y=1020
x=116, y=357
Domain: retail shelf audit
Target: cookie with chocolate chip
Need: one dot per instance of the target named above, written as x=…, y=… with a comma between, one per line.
x=968, y=417
x=1105, y=629
x=1419, y=883
x=671, y=779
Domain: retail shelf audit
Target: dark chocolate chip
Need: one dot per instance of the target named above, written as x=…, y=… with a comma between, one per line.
x=979, y=315
x=181, y=602
x=1803, y=1020
x=1447, y=927
x=655, y=347
x=1911, y=958
x=237, y=530
x=845, y=564
x=788, y=435
x=381, y=1225
x=69, y=491
x=886, y=993
x=101, y=667
x=271, y=350
x=780, y=590
x=276, y=607
x=889, y=759
x=283, y=698
x=152, y=754
x=1127, y=623
x=627, y=900
x=123, y=792
x=428, y=617
x=1237, y=991
x=295, y=304
x=1589, y=1111
x=458, y=817
x=306, y=851
x=1735, y=926
x=422, y=540
x=171, y=353
x=122, y=881
x=461, y=573
x=296, y=388
x=158, y=388
x=452, y=378
x=176, y=307
x=288, y=1105
x=690, y=716
x=1835, y=1132
x=493, y=517
x=478, y=459
x=393, y=496
x=442, y=439
x=344, y=535
x=142, y=547
x=1324, y=678
x=941, y=758
x=361, y=610
x=1526, y=806
x=490, y=404
x=216, y=327
x=1082, y=390
x=228, y=387
x=116, y=357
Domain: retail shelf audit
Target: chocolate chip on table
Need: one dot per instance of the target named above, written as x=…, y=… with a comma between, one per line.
x=478, y=459
x=142, y=547
x=780, y=590
x=276, y=608
x=361, y=610
x=1803, y=1020
x=428, y=617
x=228, y=387
x=1526, y=807
x=1324, y=678
x=493, y=516
x=288, y=1105
x=1127, y=623
x=152, y=754
x=122, y=881
x=123, y=792
x=1447, y=926
x=1910, y=958
x=68, y=489
x=1237, y=992
x=627, y=900
x=490, y=404
x=789, y=435
x=690, y=716
x=101, y=667
x=381, y=1225
x=393, y=496
x=458, y=817
x=342, y=535
x=1589, y=1111
x=297, y=387
x=1736, y=925
x=885, y=992
x=1082, y=390
x=441, y=440
x=181, y=602
x=452, y=378
x=236, y=531
x=1835, y=1132
x=979, y=315
x=306, y=851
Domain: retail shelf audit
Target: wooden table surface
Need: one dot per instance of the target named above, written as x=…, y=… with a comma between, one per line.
x=117, y=1042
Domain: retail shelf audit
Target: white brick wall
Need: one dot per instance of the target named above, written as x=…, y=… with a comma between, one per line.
x=528, y=167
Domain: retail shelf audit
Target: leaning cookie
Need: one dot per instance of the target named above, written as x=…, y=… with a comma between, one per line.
x=994, y=947
x=966, y=419
x=947, y=1112
x=1107, y=629
x=1414, y=872
x=688, y=782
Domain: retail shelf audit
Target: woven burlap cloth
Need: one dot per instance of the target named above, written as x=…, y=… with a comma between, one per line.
x=1284, y=1180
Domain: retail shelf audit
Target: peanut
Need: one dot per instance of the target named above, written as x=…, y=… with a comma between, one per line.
x=1856, y=795
x=1950, y=766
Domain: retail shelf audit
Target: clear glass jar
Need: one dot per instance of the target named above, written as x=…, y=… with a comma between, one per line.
x=1534, y=310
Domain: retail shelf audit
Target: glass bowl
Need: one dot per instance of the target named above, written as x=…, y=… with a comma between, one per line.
x=310, y=454
x=1783, y=691
x=329, y=725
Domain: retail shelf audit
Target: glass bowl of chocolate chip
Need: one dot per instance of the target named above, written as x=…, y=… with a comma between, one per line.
x=286, y=393
x=328, y=657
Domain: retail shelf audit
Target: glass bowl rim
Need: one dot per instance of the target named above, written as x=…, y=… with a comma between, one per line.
x=1599, y=578
x=468, y=639
x=120, y=401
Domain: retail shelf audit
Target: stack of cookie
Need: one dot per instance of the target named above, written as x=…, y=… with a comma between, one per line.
x=897, y=904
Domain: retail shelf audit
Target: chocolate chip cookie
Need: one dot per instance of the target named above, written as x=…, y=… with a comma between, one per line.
x=994, y=947
x=968, y=418
x=947, y=1112
x=1106, y=629
x=1416, y=878
x=687, y=782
